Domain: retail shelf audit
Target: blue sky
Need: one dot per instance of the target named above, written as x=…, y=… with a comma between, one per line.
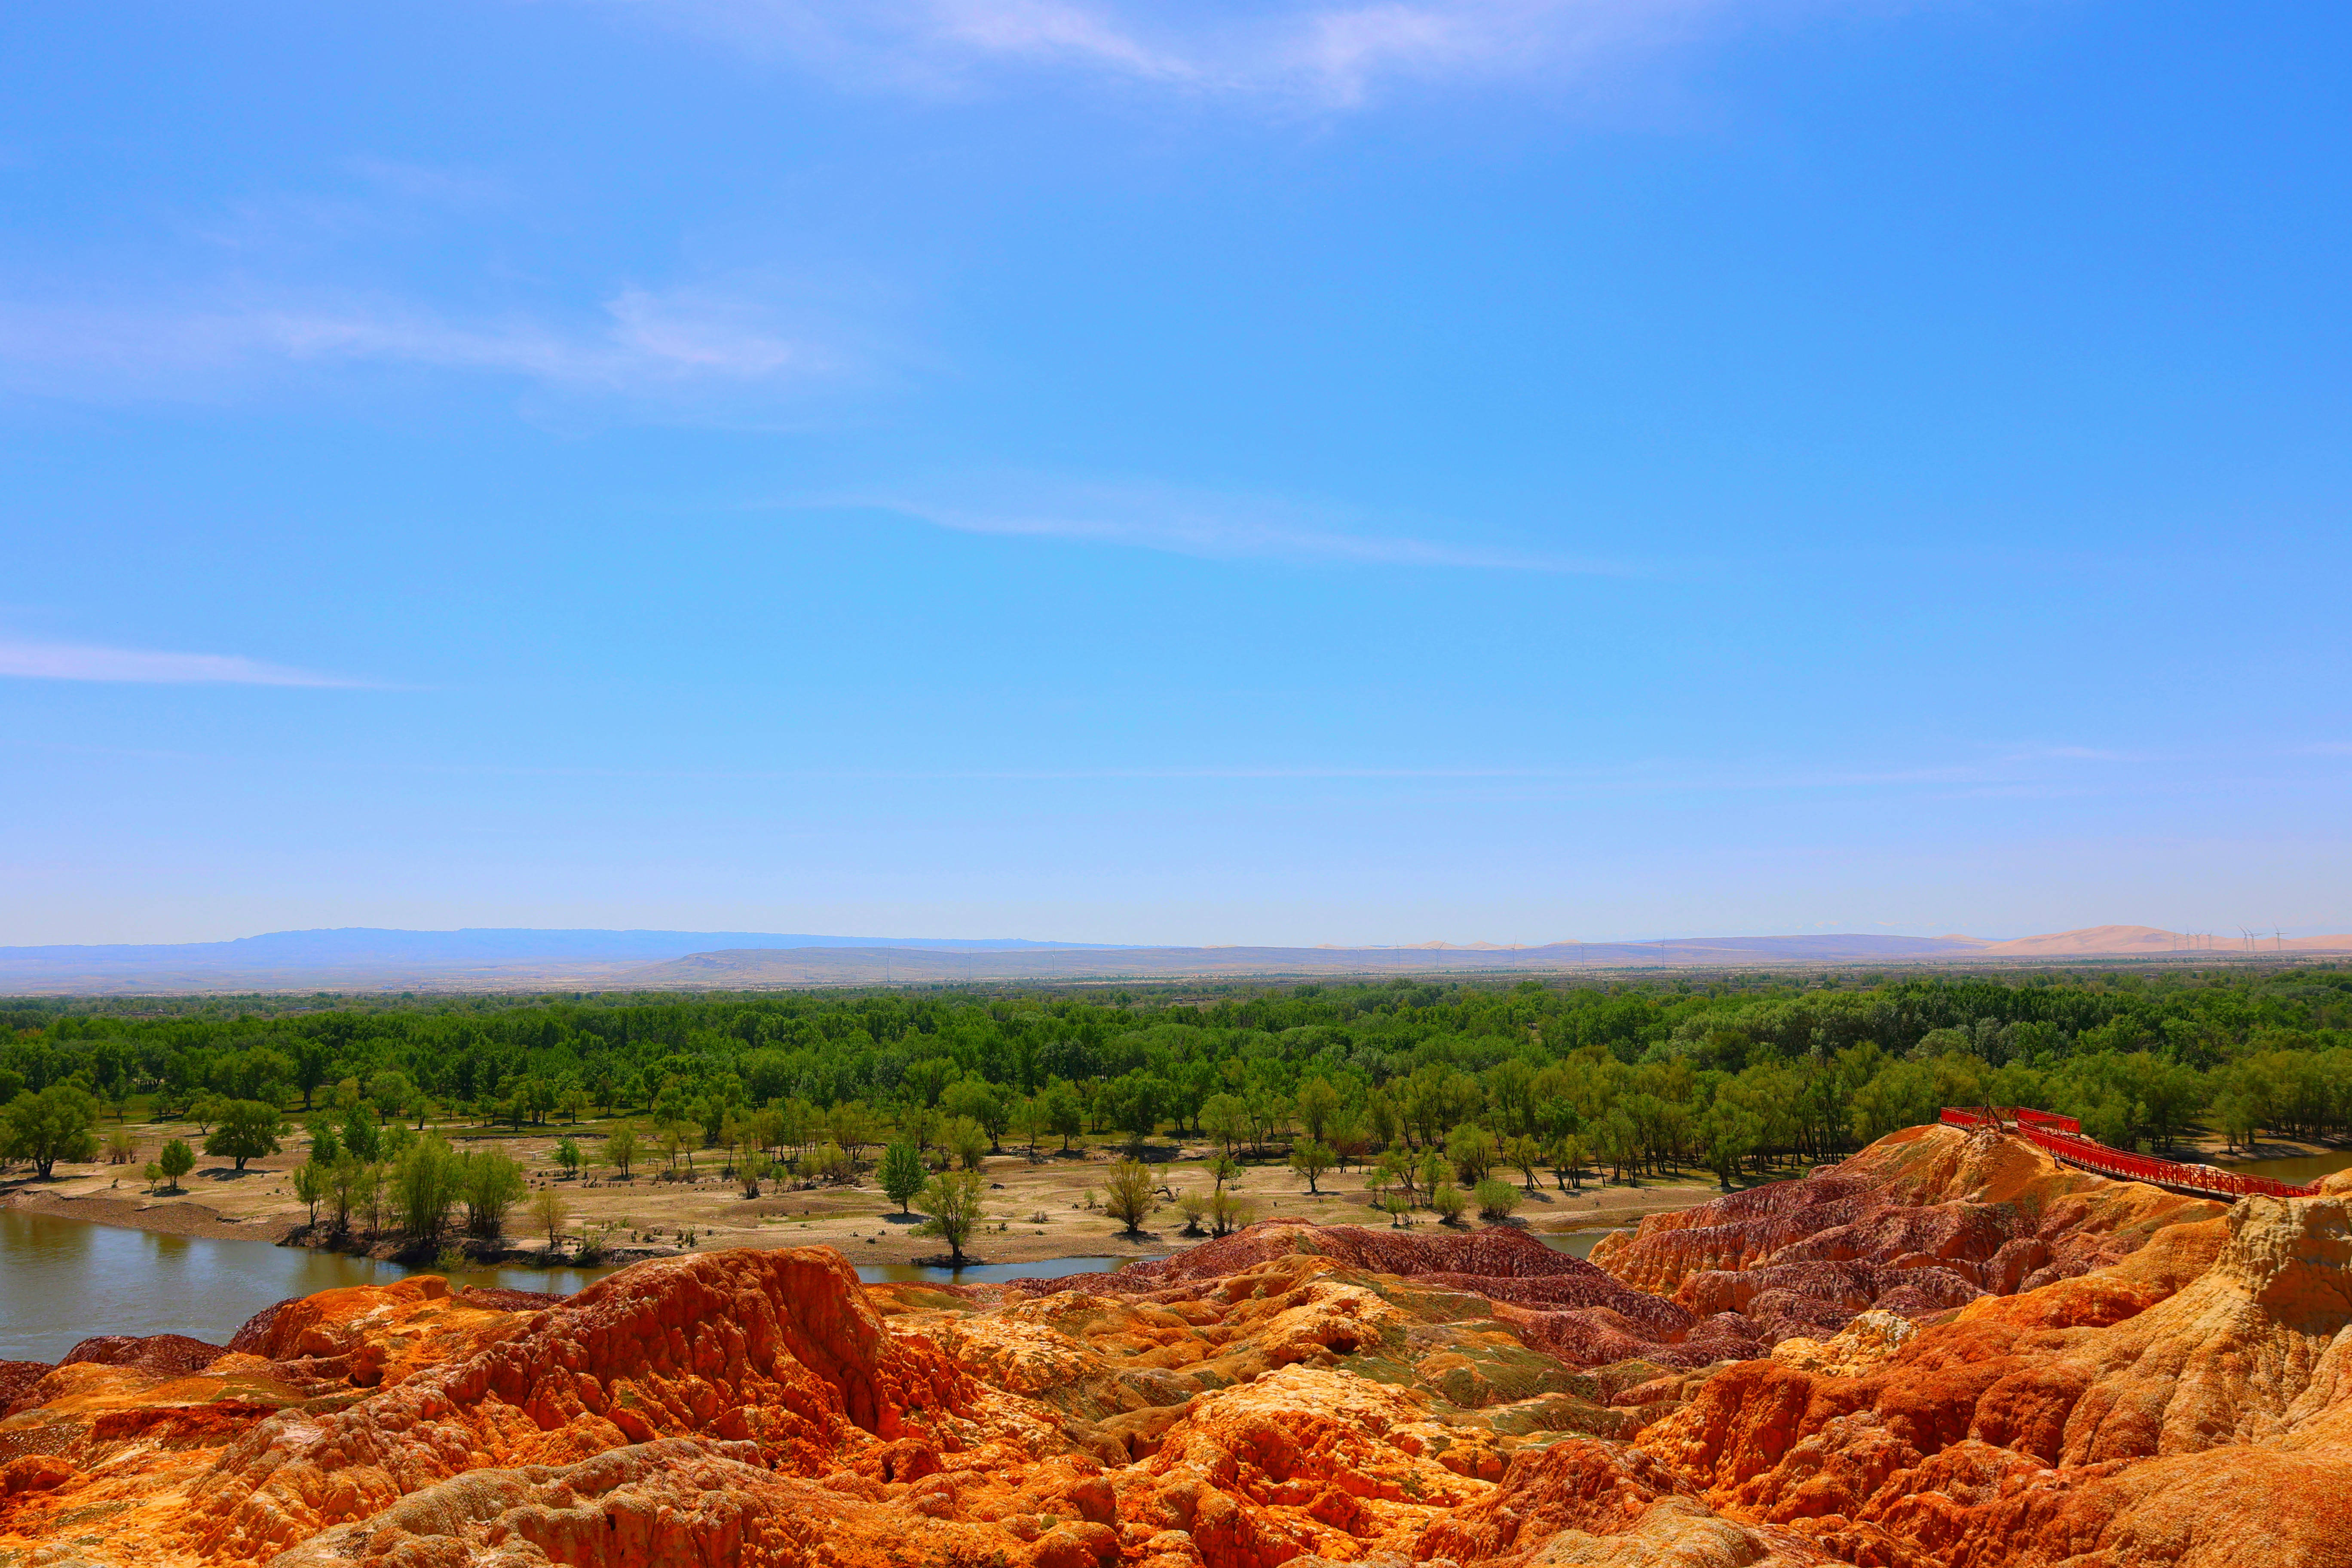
x=1309, y=472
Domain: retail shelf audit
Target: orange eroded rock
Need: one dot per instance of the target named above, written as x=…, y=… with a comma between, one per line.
x=1975, y=1359
x=1926, y=1218
x=2102, y=1420
x=780, y=1350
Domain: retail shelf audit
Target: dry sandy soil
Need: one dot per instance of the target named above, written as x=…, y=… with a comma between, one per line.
x=1037, y=1209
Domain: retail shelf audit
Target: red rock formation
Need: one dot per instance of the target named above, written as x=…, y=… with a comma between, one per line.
x=1927, y=1219
x=2163, y=1386
x=16, y=1378
x=1589, y=1502
x=151, y=1353
x=2103, y=1420
x=780, y=1351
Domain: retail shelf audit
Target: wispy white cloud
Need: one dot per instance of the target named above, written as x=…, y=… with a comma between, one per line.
x=1050, y=29
x=1330, y=53
x=1213, y=527
x=641, y=343
x=81, y=661
x=645, y=338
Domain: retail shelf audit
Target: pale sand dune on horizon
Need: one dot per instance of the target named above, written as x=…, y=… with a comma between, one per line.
x=2150, y=939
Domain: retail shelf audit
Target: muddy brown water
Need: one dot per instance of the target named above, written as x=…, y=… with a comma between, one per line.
x=2299, y=1169
x=66, y=1280
x=990, y=1273
x=1576, y=1243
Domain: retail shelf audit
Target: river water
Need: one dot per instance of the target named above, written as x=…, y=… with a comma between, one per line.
x=2299, y=1169
x=1575, y=1243
x=64, y=1280
x=989, y=1273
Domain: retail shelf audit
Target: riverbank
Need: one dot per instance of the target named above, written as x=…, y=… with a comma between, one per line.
x=164, y=1217
x=1038, y=1208
x=2262, y=1151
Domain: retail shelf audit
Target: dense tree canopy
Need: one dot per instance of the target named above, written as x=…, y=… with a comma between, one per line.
x=1640, y=1074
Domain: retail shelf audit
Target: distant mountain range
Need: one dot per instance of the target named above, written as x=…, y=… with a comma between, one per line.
x=369, y=959
x=476, y=944
x=376, y=959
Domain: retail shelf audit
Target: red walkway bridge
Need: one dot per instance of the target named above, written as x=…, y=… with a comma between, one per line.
x=2063, y=1137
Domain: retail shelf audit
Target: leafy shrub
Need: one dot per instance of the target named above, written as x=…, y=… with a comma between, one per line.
x=1495, y=1199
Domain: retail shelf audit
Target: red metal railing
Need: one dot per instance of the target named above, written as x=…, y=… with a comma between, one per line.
x=2063, y=1137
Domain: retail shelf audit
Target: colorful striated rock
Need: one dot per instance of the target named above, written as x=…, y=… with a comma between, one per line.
x=1945, y=1352
x=2137, y=1418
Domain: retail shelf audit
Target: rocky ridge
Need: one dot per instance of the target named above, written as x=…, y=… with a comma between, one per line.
x=1945, y=1351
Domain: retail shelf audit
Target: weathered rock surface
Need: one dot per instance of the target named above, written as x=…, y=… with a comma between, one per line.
x=1947, y=1352
x=2101, y=1420
x=1923, y=1220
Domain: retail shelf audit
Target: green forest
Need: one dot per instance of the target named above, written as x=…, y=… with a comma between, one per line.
x=1736, y=1075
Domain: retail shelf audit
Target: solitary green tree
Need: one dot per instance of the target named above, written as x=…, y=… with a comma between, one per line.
x=902, y=1173
x=1191, y=1205
x=176, y=1161
x=58, y=1123
x=1310, y=1159
x=248, y=1129
x=1128, y=1195
x=1031, y=1119
x=311, y=1185
x=549, y=1207
x=952, y=1201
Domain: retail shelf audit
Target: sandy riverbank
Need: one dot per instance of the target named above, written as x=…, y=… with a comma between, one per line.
x=165, y=1216
x=2212, y=1152
x=1038, y=1208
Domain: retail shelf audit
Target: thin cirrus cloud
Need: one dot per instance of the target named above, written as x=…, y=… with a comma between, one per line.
x=643, y=343
x=1316, y=52
x=1210, y=527
x=82, y=661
